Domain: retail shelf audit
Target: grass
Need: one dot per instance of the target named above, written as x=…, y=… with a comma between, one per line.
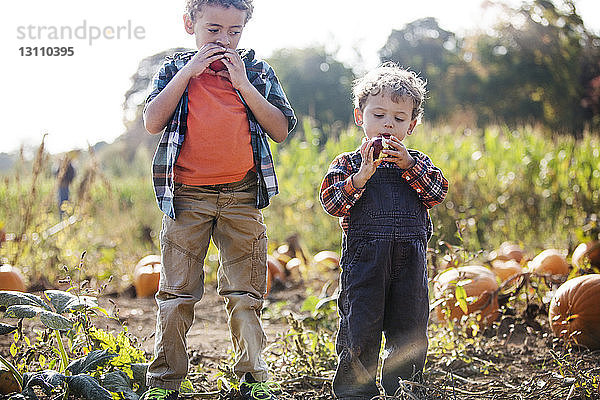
x=504, y=185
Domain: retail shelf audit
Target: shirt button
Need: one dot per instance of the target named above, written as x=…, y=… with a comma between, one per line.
x=347, y=205
x=356, y=195
x=418, y=190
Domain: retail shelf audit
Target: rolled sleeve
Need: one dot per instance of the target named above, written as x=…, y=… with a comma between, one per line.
x=159, y=82
x=338, y=193
x=277, y=97
x=427, y=180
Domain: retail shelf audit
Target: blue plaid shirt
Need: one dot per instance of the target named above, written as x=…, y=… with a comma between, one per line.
x=263, y=78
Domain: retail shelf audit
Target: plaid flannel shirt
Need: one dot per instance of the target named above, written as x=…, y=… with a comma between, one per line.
x=263, y=78
x=338, y=193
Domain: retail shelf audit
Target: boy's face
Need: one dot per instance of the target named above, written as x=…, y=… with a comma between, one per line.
x=215, y=24
x=381, y=115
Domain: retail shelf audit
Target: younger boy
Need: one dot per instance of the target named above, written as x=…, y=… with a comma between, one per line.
x=382, y=207
x=212, y=173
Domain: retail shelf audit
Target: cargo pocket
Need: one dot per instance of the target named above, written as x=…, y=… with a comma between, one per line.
x=177, y=266
x=258, y=280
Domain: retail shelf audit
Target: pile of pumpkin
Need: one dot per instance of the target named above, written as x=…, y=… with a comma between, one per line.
x=283, y=264
x=573, y=313
x=573, y=310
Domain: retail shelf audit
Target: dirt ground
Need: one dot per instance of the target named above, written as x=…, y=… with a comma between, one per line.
x=517, y=358
x=209, y=334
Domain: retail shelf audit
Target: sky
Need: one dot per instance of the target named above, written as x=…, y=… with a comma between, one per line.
x=77, y=99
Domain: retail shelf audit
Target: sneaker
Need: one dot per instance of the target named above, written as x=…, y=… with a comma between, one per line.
x=159, y=394
x=250, y=389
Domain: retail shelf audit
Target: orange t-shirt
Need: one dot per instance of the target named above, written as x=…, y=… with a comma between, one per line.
x=217, y=145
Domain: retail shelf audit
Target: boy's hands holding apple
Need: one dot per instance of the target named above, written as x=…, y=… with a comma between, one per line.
x=208, y=56
x=397, y=153
x=236, y=70
x=216, y=59
x=368, y=165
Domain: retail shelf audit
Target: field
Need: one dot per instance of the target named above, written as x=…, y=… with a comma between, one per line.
x=518, y=186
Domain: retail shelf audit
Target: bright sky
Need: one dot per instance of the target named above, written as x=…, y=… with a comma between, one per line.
x=78, y=99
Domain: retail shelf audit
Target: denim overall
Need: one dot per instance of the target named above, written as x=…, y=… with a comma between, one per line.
x=383, y=288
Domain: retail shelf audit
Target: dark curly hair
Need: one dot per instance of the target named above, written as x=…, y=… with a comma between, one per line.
x=194, y=6
x=391, y=78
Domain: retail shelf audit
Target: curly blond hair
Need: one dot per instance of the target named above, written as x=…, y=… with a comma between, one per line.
x=393, y=79
x=194, y=6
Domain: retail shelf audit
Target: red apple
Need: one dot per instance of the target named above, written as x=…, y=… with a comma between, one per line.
x=217, y=66
x=378, y=145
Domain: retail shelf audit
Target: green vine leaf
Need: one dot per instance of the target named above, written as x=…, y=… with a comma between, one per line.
x=118, y=382
x=90, y=362
x=5, y=329
x=23, y=311
x=48, y=318
x=64, y=302
x=10, y=298
x=85, y=386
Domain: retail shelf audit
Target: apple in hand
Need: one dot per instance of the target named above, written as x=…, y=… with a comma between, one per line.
x=377, y=144
x=218, y=65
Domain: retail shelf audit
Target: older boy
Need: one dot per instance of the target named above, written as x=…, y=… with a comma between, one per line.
x=212, y=173
x=383, y=209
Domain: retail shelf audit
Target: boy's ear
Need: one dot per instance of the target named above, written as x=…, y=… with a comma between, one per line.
x=358, y=116
x=188, y=23
x=412, y=125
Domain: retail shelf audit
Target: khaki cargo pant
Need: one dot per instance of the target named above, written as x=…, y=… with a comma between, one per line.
x=227, y=213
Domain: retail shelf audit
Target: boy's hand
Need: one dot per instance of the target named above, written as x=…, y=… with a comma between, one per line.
x=236, y=70
x=398, y=155
x=367, y=165
x=206, y=54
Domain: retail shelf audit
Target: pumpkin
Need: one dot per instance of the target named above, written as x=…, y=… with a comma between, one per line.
x=146, y=276
x=327, y=258
x=11, y=278
x=589, y=251
x=508, y=251
x=275, y=271
x=506, y=269
x=295, y=268
x=573, y=312
x=8, y=382
x=293, y=264
x=549, y=262
x=282, y=258
x=480, y=286
x=287, y=250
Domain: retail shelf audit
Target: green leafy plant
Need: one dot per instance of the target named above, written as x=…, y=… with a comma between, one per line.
x=113, y=361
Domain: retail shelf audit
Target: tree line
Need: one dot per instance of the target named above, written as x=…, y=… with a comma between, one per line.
x=538, y=66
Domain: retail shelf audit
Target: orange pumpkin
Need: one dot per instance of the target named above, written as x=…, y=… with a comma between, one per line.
x=146, y=276
x=327, y=258
x=8, y=382
x=480, y=285
x=549, y=262
x=589, y=251
x=11, y=278
x=506, y=269
x=573, y=312
x=275, y=271
x=508, y=251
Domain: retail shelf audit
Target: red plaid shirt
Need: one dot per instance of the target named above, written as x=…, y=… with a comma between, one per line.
x=338, y=193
